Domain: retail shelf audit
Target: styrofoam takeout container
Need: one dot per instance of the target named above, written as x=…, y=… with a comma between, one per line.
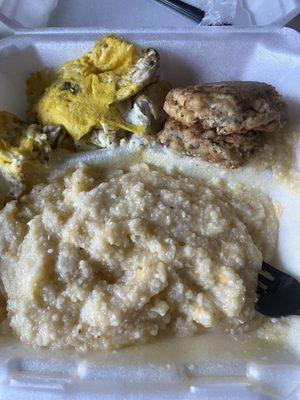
x=140, y=13
x=209, y=366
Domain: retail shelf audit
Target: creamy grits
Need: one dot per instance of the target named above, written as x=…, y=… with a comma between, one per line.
x=108, y=259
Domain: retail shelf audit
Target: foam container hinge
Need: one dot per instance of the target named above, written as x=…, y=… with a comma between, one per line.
x=209, y=366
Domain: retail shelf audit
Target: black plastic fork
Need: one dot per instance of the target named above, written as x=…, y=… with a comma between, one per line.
x=278, y=293
x=188, y=10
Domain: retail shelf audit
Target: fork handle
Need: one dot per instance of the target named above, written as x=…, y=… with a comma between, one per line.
x=183, y=8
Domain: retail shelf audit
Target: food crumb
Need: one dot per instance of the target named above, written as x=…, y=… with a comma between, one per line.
x=193, y=389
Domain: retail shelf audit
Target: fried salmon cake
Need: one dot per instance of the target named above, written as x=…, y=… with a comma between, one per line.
x=230, y=151
x=228, y=107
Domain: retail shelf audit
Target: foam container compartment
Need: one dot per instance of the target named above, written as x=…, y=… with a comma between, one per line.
x=209, y=366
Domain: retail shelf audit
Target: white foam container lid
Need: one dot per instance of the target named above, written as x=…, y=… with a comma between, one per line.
x=207, y=366
x=136, y=13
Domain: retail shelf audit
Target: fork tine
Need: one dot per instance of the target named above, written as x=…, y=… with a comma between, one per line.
x=262, y=279
x=276, y=273
x=267, y=267
x=260, y=291
x=281, y=294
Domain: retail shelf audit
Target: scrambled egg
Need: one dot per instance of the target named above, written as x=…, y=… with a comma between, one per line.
x=146, y=109
x=35, y=86
x=19, y=144
x=90, y=102
x=24, y=154
x=86, y=91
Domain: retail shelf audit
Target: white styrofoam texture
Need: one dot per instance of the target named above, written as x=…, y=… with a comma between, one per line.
x=29, y=13
x=207, y=366
x=266, y=12
x=147, y=13
x=128, y=14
